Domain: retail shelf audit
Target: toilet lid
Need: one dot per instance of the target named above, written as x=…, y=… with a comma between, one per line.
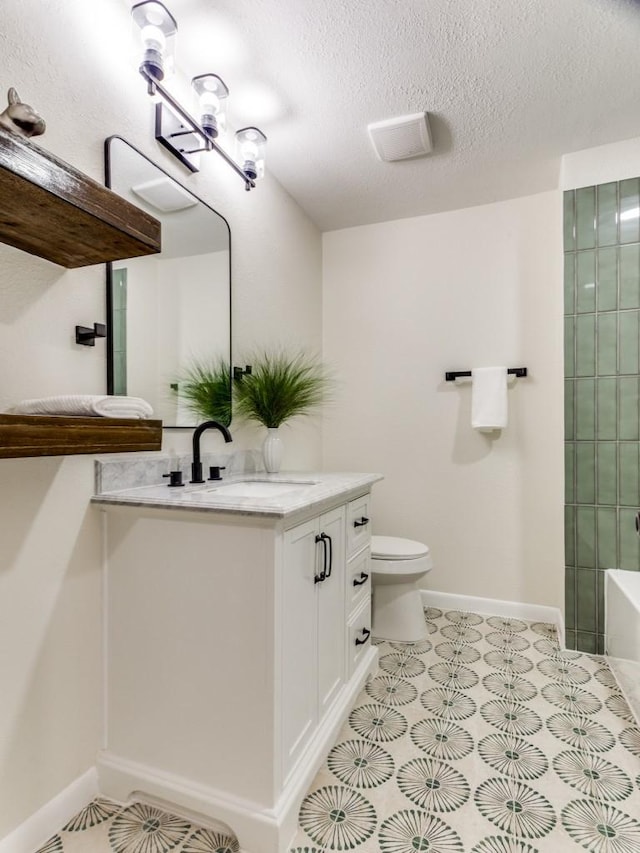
x=394, y=548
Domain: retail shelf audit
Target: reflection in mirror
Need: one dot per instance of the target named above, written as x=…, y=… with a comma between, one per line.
x=168, y=313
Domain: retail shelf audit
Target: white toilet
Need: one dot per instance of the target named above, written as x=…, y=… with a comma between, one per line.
x=397, y=568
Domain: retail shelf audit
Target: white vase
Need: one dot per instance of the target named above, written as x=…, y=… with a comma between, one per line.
x=272, y=450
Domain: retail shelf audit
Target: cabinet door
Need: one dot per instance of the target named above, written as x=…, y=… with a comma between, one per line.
x=298, y=693
x=331, y=612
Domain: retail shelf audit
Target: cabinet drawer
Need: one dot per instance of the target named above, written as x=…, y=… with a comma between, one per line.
x=358, y=579
x=359, y=635
x=358, y=524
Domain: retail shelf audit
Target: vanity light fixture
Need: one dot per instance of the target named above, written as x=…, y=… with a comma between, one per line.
x=158, y=30
x=212, y=92
x=176, y=129
x=251, y=144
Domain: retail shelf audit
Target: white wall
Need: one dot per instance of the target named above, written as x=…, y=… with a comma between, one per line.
x=615, y=162
x=405, y=301
x=78, y=75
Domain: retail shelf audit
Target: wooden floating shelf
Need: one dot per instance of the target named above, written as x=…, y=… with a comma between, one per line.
x=59, y=435
x=50, y=209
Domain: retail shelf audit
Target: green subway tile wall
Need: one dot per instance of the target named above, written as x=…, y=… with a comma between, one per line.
x=119, y=330
x=602, y=398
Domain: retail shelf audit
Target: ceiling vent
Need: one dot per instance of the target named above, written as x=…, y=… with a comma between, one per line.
x=401, y=138
x=165, y=195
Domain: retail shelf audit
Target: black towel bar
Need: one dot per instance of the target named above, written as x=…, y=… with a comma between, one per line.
x=452, y=375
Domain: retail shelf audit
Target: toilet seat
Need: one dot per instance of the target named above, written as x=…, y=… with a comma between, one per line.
x=396, y=560
x=394, y=548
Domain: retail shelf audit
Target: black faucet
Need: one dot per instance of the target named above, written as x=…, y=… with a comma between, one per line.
x=196, y=465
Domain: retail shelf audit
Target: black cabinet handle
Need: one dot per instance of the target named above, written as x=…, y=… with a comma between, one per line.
x=328, y=539
x=361, y=522
x=364, y=577
x=366, y=633
x=323, y=574
x=327, y=557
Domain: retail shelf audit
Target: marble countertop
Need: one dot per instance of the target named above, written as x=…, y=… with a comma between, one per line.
x=299, y=492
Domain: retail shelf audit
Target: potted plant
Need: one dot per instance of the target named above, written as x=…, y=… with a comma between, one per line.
x=280, y=386
x=205, y=387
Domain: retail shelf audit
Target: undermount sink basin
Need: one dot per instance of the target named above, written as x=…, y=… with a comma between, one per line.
x=257, y=488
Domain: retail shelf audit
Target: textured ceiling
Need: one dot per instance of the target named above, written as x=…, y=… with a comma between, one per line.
x=510, y=86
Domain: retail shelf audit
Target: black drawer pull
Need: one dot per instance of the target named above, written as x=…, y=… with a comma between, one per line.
x=362, y=579
x=361, y=522
x=366, y=633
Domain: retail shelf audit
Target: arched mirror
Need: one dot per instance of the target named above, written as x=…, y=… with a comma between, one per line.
x=169, y=330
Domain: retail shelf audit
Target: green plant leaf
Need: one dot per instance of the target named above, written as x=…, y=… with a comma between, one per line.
x=205, y=386
x=280, y=387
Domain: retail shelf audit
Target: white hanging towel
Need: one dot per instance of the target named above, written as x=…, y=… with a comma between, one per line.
x=489, y=398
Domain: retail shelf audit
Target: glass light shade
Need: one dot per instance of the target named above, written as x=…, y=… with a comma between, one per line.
x=252, y=145
x=212, y=94
x=157, y=30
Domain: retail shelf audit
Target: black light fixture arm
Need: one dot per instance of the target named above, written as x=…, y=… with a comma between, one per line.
x=153, y=86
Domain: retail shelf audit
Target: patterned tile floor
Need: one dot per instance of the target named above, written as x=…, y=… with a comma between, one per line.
x=108, y=827
x=485, y=738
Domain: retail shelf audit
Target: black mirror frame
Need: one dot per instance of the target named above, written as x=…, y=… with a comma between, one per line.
x=109, y=268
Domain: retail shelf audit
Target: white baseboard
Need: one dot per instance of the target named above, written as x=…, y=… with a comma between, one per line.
x=48, y=820
x=496, y=607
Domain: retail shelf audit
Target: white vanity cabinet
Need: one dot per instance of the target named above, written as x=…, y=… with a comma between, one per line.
x=231, y=661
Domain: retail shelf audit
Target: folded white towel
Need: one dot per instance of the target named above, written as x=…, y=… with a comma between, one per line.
x=87, y=406
x=489, y=398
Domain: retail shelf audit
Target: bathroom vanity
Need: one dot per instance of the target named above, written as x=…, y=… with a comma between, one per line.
x=237, y=636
